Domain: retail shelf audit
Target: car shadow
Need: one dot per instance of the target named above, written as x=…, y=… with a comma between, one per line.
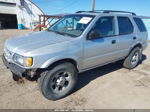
x=88, y=76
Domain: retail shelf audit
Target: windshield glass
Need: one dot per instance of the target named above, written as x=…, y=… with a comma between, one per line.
x=72, y=25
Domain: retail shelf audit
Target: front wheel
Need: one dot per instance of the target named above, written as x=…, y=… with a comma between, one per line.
x=132, y=60
x=59, y=81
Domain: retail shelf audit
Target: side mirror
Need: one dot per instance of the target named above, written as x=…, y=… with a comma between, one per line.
x=94, y=34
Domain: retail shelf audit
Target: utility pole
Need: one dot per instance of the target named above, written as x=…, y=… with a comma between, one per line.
x=93, y=5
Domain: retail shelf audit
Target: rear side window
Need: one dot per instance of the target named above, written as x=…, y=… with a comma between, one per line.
x=125, y=25
x=140, y=24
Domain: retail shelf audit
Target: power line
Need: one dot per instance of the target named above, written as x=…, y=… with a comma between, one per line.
x=72, y=3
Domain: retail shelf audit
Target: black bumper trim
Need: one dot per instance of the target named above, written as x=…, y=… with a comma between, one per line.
x=17, y=70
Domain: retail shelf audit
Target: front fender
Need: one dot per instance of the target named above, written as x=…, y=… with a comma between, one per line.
x=58, y=58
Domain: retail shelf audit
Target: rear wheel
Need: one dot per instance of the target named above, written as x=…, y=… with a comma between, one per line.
x=59, y=81
x=133, y=58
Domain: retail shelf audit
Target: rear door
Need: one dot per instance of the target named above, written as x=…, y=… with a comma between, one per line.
x=126, y=35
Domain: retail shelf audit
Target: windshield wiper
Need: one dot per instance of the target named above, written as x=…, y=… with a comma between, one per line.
x=70, y=35
x=61, y=33
x=57, y=32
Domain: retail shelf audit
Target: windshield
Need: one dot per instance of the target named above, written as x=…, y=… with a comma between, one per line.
x=72, y=25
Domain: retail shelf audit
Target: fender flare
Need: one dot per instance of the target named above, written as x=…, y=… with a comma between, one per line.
x=60, y=58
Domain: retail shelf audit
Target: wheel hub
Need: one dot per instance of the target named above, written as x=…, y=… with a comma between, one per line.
x=135, y=58
x=60, y=81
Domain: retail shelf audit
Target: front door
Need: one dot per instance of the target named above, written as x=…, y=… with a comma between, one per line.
x=103, y=49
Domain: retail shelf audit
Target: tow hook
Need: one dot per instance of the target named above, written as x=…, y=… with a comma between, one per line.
x=18, y=79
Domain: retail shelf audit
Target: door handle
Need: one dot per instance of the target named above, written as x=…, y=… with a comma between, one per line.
x=113, y=41
x=134, y=38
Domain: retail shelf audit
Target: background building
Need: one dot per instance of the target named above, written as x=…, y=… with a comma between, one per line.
x=19, y=14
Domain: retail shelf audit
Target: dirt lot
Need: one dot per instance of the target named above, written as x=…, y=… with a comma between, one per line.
x=110, y=86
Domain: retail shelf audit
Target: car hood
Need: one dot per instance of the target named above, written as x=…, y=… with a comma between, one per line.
x=34, y=41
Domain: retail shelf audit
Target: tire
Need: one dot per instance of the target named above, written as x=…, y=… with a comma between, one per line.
x=133, y=59
x=58, y=82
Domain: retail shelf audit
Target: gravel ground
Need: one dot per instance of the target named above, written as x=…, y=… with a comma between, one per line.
x=105, y=87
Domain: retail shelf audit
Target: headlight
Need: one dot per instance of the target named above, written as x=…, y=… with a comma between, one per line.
x=23, y=61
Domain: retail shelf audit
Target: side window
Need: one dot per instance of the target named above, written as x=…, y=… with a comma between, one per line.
x=125, y=25
x=140, y=24
x=105, y=26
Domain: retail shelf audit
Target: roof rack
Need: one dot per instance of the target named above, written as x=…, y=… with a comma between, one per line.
x=107, y=11
x=83, y=11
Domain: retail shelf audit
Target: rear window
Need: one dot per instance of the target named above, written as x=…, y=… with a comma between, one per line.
x=140, y=24
x=125, y=25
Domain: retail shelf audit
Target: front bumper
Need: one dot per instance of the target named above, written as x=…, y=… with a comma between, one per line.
x=17, y=70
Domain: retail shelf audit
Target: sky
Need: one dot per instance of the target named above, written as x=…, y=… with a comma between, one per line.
x=140, y=7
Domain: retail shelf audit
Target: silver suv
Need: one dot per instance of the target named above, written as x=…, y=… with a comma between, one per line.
x=76, y=43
